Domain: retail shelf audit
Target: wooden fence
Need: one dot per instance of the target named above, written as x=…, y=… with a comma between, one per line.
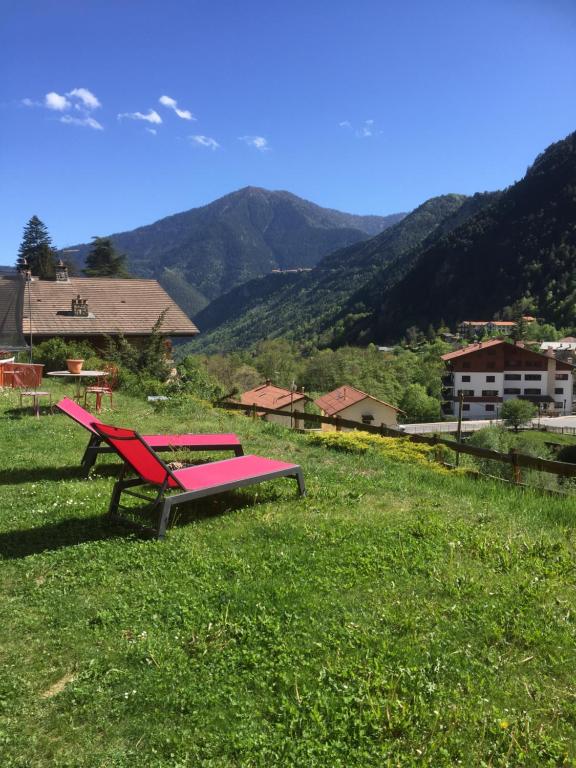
x=515, y=459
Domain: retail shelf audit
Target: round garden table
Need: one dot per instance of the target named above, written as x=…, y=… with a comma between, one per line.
x=78, y=378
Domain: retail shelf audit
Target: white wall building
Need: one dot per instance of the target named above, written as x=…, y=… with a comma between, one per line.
x=489, y=373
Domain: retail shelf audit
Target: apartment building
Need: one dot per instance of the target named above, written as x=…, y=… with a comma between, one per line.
x=488, y=373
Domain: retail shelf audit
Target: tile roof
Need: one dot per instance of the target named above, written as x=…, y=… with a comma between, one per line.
x=269, y=396
x=344, y=397
x=476, y=347
x=130, y=307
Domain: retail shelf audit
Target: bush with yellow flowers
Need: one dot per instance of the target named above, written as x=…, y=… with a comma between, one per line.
x=396, y=448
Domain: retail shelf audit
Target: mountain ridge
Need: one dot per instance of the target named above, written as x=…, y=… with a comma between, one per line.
x=203, y=252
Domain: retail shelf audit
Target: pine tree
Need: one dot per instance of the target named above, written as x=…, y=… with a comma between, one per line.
x=104, y=261
x=35, y=251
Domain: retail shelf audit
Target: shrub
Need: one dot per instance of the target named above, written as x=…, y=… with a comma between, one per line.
x=401, y=449
x=53, y=353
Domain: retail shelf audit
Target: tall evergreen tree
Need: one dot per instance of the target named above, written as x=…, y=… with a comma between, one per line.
x=36, y=250
x=104, y=261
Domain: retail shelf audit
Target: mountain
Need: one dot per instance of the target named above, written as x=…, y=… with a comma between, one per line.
x=307, y=306
x=523, y=246
x=204, y=252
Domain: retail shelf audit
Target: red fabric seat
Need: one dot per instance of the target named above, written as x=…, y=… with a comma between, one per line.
x=194, y=482
x=190, y=442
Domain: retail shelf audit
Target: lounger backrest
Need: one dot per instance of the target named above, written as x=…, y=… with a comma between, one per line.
x=79, y=414
x=137, y=454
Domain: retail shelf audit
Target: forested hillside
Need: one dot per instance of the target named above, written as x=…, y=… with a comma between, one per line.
x=200, y=254
x=309, y=307
x=521, y=247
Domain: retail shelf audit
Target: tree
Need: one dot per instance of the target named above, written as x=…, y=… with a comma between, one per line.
x=104, y=261
x=516, y=412
x=418, y=405
x=36, y=250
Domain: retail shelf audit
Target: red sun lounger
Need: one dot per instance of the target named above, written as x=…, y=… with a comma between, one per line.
x=217, y=442
x=190, y=483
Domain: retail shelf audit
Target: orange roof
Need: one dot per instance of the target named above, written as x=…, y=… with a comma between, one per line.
x=269, y=396
x=473, y=348
x=130, y=307
x=344, y=397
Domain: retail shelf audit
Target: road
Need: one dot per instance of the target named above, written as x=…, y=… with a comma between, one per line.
x=474, y=426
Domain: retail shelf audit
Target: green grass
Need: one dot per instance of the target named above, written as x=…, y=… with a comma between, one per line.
x=394, y=617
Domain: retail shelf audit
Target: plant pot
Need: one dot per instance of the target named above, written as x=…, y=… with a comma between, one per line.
x=74, y=366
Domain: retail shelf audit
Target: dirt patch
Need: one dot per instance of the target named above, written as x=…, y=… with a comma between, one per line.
x=58, y=686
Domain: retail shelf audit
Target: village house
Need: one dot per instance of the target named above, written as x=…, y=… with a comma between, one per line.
x=350, y=403
x=488, y=373
x=92, y=308
x=564, y=349
x=479, y=328
x=269, y=396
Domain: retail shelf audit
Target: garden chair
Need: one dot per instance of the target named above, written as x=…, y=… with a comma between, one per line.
x=27, y=378
x=190, y=483
x=189, y=442
x=104, y=386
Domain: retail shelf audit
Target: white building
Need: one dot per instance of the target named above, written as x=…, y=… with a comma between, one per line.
x=355, y=405
x=488, y=373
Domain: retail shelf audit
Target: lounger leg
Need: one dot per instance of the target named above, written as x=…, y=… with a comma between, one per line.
x=115, y=500
x=164, y=516
x=90, y=455
x=300, y=480
x=238, y=451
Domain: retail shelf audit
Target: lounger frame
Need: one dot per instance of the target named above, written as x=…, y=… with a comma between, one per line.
x=161, y=503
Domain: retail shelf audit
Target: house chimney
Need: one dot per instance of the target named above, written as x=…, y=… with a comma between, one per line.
x=79, y=307
x=61, y=272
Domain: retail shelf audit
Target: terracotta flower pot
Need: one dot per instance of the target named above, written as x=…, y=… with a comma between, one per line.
x=74, y=366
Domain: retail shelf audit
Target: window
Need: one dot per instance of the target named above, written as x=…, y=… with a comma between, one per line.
x=561, y=377
x=466, y=407
x=489, y=407
x=466, y=392
x=489, y=393
x=529, y=391
x=512, y=376
x=533, y=377
x=512, y=391
x=558, y=391
x=490, y=378
x=491, y=365
x=557, y=405
x=465, y=378
x=367, y=418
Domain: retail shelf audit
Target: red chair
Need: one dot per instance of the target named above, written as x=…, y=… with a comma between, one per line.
x=195, y=482
x=218, y=442
x=105, y=385
x=27, y=377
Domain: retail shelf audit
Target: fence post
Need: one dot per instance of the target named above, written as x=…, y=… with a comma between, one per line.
x=515, y=466
x=254, y=411
x=337, y=420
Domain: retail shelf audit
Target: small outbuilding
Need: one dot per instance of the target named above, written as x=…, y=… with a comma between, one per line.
x=355, y=405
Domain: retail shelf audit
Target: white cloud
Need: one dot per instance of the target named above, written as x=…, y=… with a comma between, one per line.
x=258, y=142
x=57, y=102
x=364, y=131
x=86, y=122
x=30, y=103
x=89, y=101
x=170, y=103
x=153, y=131
x=151, y=117
x=205, y=141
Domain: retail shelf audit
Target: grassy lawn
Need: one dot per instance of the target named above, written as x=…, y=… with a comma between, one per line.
x=396, y=616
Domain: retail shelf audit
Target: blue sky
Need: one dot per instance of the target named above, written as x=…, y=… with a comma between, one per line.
x=369, y=107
